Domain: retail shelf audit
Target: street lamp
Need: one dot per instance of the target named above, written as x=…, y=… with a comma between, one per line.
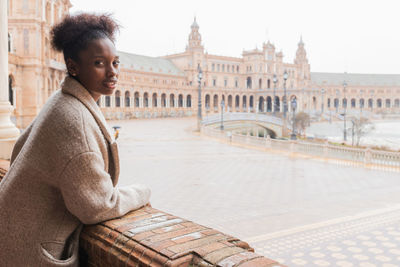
x=285, y=76
x=344, y=112
x=294, y=105
x=275, y=80
x=199, y=77
x=222, y=114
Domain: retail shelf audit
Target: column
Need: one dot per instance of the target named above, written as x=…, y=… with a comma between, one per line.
x=140, y=102
x=8, y=132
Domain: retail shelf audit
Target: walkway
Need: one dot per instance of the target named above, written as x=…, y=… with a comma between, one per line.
x=265, y=198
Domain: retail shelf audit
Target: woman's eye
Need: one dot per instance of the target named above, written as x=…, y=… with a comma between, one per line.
x=98, y=62
x=116, y=62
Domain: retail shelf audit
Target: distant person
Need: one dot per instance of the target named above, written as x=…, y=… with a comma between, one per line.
x=65, y=167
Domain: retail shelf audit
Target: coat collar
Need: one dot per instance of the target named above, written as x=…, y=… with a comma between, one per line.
x=73, y=87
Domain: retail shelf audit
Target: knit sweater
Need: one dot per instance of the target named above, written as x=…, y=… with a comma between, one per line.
x=64, y=170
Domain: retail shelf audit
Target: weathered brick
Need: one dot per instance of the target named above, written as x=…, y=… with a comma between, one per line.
x=159, y=246
x=218, y=255
x=168, y=228
x=259, y=262
x=180, y=262
x=174, y=234
x=204, y=250
x=237, y=258
x=180, y=248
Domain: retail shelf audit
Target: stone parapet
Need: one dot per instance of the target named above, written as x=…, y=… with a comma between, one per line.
x=150, y=237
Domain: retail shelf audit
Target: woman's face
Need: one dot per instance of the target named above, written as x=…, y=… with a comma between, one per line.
x=98, y=68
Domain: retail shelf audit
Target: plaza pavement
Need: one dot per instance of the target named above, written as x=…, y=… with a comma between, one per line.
x=299, y=211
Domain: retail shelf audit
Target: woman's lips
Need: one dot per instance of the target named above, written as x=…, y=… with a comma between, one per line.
x=110, y=84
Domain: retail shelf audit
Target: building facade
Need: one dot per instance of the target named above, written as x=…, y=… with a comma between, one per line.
x=258, y=81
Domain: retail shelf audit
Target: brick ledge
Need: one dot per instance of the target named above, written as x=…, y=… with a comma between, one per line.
x=150, y=237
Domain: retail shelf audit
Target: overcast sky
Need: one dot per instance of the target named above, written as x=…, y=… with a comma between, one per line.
x=359, y=36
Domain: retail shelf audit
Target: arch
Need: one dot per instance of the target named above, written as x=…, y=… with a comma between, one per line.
x=277, y=103
x=353, y=103
x=260, y=83
x=314, y=102
x=244, y=102
x=268, y=83
x=163, y=100
x=388, y=103
x=146, y=100
x=108, y=101
x=10, y=90
x=127, y=99
x=261, y=104
x=136, y=99
x=370, y=103
x=189, y=101
x=171, y=100
x=237, y=101
x=336, y=103
x=180, y=100
x=9, y=43
x=379, y=103
x=329, y=103
x=396, y=103
x=229, y=102
x=215, y=102
x=362, y=102
x=117, y=98
x=251, y=102
x=269, y=104
x=207, y=101
x=344, y=102
x=154, y=100
x=248, y=82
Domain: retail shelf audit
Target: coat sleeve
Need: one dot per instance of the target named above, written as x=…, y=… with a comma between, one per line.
x=89, y=194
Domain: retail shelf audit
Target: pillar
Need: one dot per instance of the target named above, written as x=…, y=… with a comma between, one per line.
x=8, y=132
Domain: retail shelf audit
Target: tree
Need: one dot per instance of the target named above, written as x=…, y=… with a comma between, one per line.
x=302, y=121
x=361, y=127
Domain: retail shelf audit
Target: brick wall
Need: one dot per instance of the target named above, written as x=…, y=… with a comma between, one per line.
x=150, y=237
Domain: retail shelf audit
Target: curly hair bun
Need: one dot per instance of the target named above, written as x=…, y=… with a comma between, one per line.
x=75, y=31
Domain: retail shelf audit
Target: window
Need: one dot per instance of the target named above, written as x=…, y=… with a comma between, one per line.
x=236, y=83
x=223, y=67
x=127, y=99
x=213, y=67
x=118, y=98
x=214, y=82
x=189, y=101
x=108, y=101
x=217, y=67
x=225, y=82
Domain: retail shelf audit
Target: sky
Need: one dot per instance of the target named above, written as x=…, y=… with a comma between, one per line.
x=355, y=36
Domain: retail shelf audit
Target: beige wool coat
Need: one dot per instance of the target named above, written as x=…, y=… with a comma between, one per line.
x=64, y=170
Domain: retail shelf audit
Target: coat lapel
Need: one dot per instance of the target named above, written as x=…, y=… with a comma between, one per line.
x=73, y=87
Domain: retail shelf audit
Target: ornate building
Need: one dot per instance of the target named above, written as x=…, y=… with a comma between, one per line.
x=258, y=81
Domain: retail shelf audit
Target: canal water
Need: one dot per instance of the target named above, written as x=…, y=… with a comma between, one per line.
x=384, y=133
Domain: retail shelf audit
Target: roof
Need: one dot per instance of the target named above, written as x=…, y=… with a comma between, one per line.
x=148, y=64
x=356, y=79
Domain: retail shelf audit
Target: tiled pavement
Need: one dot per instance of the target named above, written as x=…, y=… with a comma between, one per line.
x=253, y=194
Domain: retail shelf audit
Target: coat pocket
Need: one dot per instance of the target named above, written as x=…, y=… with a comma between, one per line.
x=56, y=253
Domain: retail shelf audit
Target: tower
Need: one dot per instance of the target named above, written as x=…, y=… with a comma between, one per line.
x=303, y=68
x=194, y=37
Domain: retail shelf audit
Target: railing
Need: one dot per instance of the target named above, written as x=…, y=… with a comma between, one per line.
x=365, y=156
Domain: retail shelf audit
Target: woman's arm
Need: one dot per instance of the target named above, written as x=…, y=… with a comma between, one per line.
x=89, y=194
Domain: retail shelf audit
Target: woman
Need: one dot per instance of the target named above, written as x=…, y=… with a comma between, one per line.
x=64, y=167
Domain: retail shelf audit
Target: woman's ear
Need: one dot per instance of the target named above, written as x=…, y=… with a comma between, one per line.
x=72, y=67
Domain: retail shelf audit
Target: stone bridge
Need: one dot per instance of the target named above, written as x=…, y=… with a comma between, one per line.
x=232, y=121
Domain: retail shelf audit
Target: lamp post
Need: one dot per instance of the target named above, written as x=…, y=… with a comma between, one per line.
x=294, y=105
x=285, y=76
x=199, y=77
x=344, y=112
x=275, y=80
x=222, y=114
